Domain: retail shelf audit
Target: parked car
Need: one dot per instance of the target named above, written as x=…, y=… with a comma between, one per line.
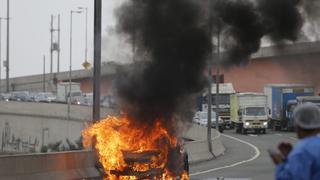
x=76, y=97
x=201, y=117
x=20, y=96
x=47, y=97
x=88, y=99
x=108, y=101
x=5, y=96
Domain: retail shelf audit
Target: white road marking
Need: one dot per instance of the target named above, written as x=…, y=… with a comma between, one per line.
x=292, y=138
x=257, y=154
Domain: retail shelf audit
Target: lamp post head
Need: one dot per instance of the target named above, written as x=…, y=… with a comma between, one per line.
x=86, y=65
x=72, y=11
x=83, y=8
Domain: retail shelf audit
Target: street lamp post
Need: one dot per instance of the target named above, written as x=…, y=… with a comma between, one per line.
x=70, y=63
x=8, y=46
x=86, y=64
x=0, y=49
x=86, y=32
x=97, y=60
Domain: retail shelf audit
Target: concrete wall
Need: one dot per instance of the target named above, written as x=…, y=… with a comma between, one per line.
x=287, y=69
x=53, y=166
x=198, y=148
x=81, y=164
x=286, y=64
x=26, y=127
x=35, y=82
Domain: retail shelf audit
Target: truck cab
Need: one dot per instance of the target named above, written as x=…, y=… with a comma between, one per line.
x=289, y=113
x=225, y=91
x=278, y=96
x=249, y=112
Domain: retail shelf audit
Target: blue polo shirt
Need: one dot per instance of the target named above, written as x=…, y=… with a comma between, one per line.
x=303, y=162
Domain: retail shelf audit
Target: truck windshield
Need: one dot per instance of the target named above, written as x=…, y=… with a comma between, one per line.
x=255, y=111
x=223, y=99
x=316, y=102
x=290, y=107
x=204, y=115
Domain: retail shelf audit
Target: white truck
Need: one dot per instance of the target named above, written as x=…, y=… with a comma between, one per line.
x=63, y=91
x=249, y=112
x=225, y=91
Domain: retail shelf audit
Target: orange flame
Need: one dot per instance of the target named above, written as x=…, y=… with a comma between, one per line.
x=114, y=136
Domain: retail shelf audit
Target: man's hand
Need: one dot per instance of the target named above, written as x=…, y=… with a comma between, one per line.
x=276, y=158
x=285, y=148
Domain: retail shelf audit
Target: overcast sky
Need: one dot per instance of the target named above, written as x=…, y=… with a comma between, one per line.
x=30, y=35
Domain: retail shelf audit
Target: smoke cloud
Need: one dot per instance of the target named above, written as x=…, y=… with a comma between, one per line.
x=172, y=42
x=244, y=23
x=172, y=47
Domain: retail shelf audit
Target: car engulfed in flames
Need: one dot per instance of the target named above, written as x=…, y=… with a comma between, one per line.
x=127, y=151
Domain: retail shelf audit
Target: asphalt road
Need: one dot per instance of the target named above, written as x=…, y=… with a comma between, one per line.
x=246, y=157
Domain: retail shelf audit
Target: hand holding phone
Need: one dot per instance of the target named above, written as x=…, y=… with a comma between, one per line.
x=276, y=157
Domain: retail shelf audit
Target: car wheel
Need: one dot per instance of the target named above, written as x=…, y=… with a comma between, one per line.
x=244, y=131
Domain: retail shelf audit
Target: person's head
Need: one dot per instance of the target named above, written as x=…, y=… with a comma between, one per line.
x=307, y=120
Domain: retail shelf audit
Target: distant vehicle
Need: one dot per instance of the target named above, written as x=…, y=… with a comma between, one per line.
x=201, y=118
x=88, y=99
x=225, y=91
x=76, y=97
x=44, y=97
x=20, y=96
x=108, y=101
x=289, y=113
x=5, y=96
x=63, y=89
x=249, y=112
x=278, y=97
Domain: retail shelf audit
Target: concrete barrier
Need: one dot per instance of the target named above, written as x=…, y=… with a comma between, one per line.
x=82, y=164
x=52, y=166
x=27, y=127
x=198, y=148
x=32, y=120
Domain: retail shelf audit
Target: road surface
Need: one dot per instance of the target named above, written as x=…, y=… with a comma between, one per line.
x=246, y=157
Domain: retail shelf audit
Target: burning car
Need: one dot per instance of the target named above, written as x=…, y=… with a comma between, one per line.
x=127, y=151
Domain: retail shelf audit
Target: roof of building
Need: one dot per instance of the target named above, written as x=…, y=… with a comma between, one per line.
x=289, y=85
x=288, y=50
x=250, y=94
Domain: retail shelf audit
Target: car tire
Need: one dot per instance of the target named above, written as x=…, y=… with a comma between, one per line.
x=221, y=129
x=243, y=131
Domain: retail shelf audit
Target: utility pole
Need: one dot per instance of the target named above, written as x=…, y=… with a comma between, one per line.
x=0, y=50
x=44, y=73
x=8, y=47
x=97, y=60
x=209, y=95
x=54, y=43
x=51, y=46
x=58, y=49
x=70, y=62
x=217, y=98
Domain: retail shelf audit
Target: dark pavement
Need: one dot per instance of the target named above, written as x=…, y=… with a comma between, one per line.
x=246, y=157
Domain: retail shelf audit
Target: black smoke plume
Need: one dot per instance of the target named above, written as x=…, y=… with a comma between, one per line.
x=244, y=22
x=172, y=44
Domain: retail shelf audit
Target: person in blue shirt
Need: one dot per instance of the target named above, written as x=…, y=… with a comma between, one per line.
x=303, y=161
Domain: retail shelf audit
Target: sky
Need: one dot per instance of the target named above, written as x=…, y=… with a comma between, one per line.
x=30, y=33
